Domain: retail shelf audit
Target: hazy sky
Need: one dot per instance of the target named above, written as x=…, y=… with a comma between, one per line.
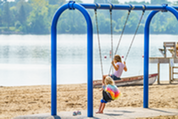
x=122, y=1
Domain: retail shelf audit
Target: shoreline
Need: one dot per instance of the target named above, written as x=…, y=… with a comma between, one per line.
x=164, y=82
x=27, y=100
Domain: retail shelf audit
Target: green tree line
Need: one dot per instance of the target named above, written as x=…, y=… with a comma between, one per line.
x=35, y=17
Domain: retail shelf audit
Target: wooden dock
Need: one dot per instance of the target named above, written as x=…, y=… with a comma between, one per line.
x=170, y=61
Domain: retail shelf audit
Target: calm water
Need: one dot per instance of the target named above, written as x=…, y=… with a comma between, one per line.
x=25, y=59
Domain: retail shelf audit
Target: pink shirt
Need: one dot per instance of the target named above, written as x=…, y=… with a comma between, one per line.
x=118, y=73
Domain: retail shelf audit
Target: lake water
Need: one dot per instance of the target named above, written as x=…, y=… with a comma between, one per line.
x=26, y=59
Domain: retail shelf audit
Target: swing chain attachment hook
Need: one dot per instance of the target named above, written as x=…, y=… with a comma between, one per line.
x=71, y=5
x=111, y=7
x=131, y=8
x=144, y=8
x=97, y=6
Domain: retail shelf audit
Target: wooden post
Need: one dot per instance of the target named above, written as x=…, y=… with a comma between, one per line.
x=164, y=50
x=169, y=73
x=175, y=51
x=172, y=70
x=158, y=81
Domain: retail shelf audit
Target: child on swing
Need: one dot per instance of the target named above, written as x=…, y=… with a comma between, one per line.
x=110, y=91
x=118, y=66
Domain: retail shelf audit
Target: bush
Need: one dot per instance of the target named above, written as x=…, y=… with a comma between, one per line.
x=17, y=24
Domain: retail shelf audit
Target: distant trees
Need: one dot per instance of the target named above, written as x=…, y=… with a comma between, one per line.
x=22, y=15
x=100, y=1
x=159, y=2
x=54, y=2
x=38, y=21
x=35, y=17
x=6, y=14
x=107, y=1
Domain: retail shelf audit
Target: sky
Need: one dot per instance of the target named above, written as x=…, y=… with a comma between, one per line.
x=122, y=1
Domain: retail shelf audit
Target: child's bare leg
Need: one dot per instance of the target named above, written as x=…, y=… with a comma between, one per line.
x=102, y=107
x=99, y=108
x=103, y=82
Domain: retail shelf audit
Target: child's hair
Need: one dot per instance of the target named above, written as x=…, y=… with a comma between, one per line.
x=109, y=80
x=117, y=58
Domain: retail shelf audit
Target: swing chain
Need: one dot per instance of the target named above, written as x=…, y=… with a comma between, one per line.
x=99, y=42
x=111, y=37
x=122, y=32
x=120, y=38
x=134, y=35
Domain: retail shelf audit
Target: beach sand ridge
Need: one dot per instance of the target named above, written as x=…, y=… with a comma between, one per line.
x=27, y=100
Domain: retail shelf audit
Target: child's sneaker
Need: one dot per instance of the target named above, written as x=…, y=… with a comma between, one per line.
x=74, y=113
x=78, y=112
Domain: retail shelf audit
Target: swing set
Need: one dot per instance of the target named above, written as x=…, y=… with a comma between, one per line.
x=71, y=5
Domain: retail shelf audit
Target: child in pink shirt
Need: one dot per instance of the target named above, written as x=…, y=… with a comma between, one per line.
x=118, y=66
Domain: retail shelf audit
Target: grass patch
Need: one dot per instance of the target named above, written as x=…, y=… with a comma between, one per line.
x=12, y=28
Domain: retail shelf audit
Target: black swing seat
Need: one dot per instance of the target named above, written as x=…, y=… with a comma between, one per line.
x=106, y=96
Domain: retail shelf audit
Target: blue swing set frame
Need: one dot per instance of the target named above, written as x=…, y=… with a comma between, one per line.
x=82, y=8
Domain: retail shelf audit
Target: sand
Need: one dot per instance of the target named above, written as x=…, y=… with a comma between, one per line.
x=27, y=100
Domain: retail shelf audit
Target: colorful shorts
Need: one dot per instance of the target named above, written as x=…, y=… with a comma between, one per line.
x=103, y=101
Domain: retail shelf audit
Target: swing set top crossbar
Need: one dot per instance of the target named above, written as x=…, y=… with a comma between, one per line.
x=126, y=7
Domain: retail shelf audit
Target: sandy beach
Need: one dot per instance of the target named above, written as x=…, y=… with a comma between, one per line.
x=27, y=100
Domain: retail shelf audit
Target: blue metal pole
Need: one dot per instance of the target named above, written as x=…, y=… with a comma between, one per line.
x=89, y=58
x=146, y=52
x=71, y=5
x=53, y=60
x=125, y=7
x=173, y=11
x=146, y=58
